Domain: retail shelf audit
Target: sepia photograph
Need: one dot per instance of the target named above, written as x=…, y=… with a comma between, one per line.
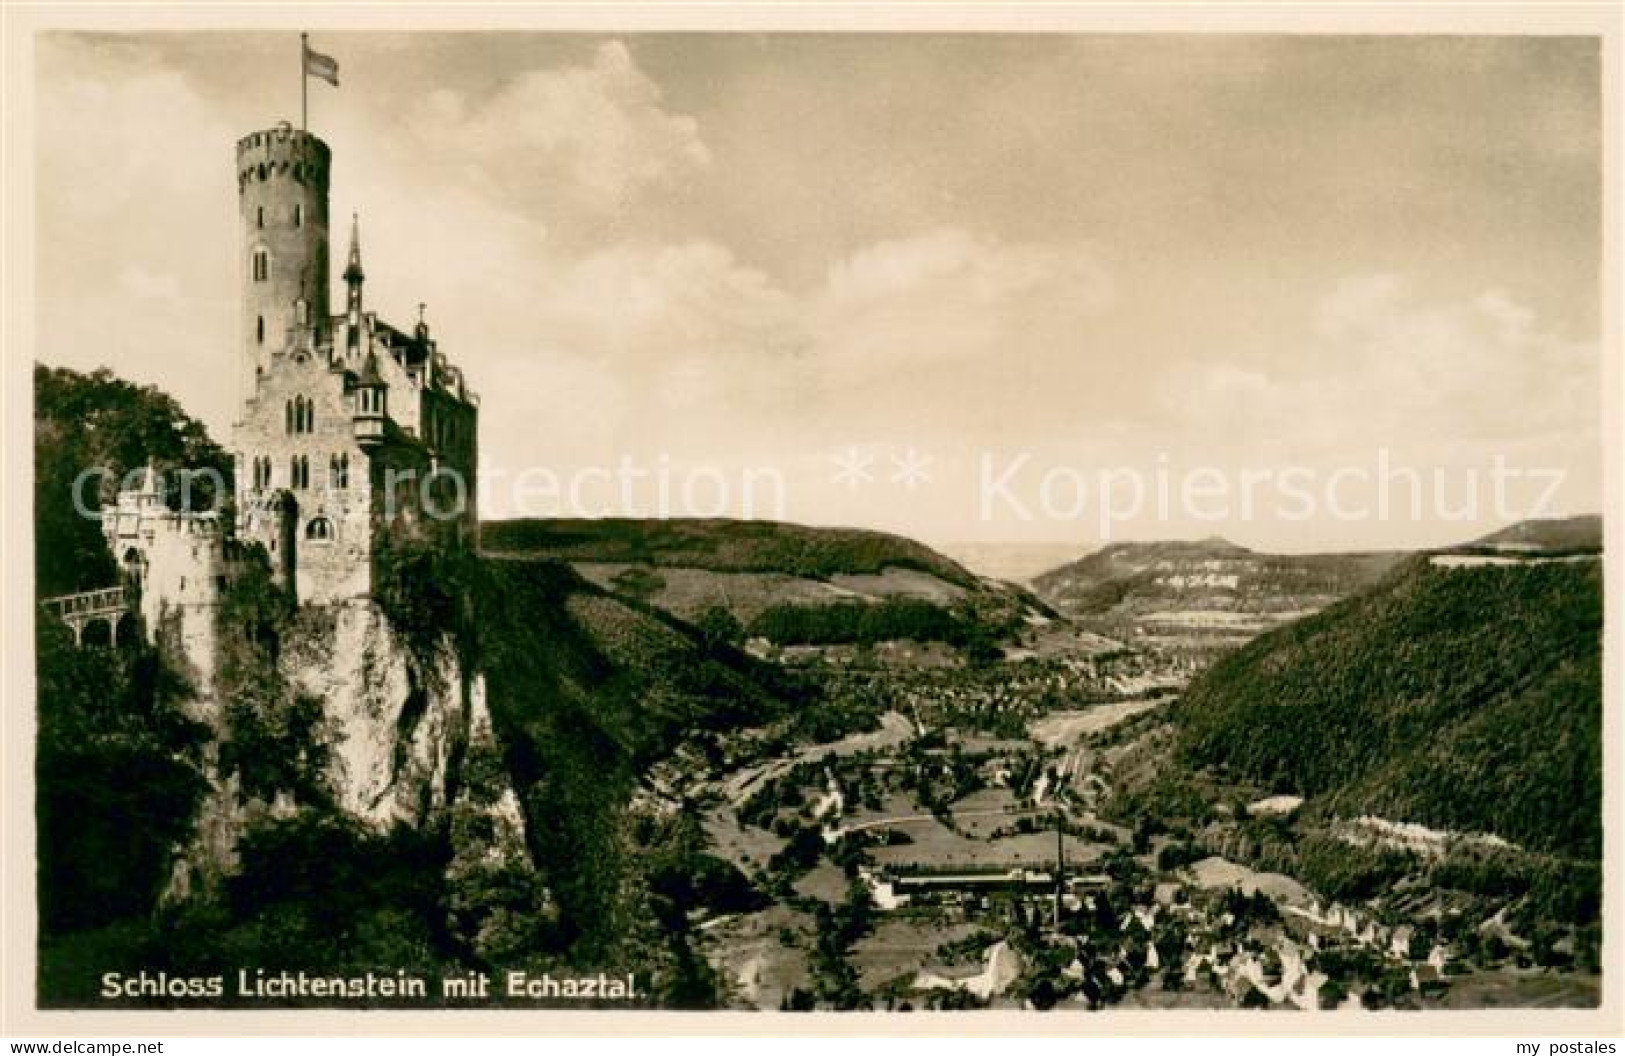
x=1066, y=522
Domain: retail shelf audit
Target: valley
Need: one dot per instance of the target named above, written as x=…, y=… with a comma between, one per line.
x=775, y=766
x=1030, y=828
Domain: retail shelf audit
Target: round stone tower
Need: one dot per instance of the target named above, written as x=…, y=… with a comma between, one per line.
x=282, y=176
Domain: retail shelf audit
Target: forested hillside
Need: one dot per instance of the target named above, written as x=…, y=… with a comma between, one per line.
x=1463, y=698
x=721, y=546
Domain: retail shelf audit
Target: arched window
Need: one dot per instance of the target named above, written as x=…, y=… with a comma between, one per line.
x=134, y=565
x=338, y=472
x=319, y=528
x=301, y=415
x=287, y=417
x=262, y=265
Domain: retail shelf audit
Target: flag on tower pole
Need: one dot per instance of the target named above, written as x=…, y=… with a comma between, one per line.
x=313, y=64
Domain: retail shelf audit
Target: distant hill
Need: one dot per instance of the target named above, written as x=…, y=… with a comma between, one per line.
x=719, y=545
x=790, y=584
x=1557, y=534
x=1207, y=594
x=1013, y=562
x=1459, y=697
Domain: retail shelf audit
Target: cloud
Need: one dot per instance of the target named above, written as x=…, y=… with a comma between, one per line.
x=598, y=134
x=946, y=295
x=1379, y=364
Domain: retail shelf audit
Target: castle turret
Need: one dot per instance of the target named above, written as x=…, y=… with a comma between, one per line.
x=371, y=404
x=282, y=180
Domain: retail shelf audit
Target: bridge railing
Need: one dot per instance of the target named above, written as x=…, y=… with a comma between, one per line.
x=86, y=603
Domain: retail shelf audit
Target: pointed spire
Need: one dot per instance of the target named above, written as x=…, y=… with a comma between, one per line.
x=370, y=375
x=352, y=271
x=149, y=493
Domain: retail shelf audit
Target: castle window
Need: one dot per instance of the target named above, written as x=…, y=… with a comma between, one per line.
x=259, y=329
x=259, y=217
x=298, y=216
x=299, y=415
x=338, y=472
x=262, y=265
x=319, y=528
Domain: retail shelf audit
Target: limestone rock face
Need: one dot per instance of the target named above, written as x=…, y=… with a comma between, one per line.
x=404, y=730
x=393, y=721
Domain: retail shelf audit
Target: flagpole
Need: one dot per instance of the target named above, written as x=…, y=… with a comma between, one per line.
x=304, y=80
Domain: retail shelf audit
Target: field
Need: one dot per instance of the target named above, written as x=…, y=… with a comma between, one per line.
x=902, y=945
x=1061, y=728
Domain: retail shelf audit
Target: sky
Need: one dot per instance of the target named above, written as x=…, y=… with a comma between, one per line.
x=971, y=287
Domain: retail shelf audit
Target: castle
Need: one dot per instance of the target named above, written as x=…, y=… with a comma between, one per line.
x=352, y=434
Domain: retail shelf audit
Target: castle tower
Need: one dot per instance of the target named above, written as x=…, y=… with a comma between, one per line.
x=282, y=179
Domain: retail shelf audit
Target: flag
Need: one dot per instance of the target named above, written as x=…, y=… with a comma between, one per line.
x=324, y=66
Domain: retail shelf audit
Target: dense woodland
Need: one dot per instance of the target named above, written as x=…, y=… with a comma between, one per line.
x=1397, y=701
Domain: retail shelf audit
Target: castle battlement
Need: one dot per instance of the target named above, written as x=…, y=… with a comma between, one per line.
x=282, y=151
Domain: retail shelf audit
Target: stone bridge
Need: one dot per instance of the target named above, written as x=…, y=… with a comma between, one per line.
x=84, y=610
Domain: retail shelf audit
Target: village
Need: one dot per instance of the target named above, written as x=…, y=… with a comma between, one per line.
x=961, y=854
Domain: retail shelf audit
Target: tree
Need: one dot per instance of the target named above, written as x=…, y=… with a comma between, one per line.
x=719, y=627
